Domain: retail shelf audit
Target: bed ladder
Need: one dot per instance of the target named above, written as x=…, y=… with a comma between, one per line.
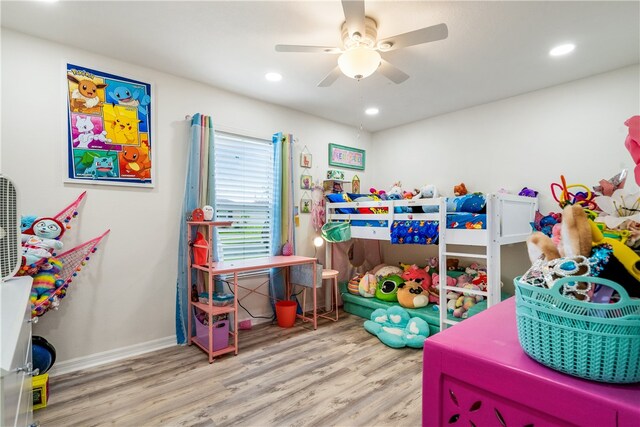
x=491, y=258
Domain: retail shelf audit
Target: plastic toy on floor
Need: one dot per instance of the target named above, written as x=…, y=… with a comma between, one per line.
x=396, y=328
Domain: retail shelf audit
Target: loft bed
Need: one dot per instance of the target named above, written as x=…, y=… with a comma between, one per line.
x=487, y=221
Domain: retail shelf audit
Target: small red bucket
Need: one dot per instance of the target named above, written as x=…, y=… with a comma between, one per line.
x=286, y=313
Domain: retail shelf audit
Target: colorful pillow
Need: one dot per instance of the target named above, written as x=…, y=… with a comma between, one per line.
x=369, y=198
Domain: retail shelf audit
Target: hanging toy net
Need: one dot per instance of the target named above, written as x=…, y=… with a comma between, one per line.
x=51, y=279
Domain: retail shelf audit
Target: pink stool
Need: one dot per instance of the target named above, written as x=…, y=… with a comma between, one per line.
x=331, y=275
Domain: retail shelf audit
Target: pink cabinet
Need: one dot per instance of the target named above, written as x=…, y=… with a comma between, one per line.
x=476, y=374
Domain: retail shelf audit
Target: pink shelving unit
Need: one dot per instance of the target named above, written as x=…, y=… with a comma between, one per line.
x=476, y=374
x=210, y=309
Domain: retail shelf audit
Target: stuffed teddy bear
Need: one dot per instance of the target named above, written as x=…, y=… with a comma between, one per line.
x=40, y=240
x=460, y=189
x=412, y=295
x=396, y=328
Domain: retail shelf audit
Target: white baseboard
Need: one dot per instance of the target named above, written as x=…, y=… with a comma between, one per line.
x=109, y=356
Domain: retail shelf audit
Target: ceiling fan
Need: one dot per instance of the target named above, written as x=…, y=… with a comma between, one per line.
x=360, y=53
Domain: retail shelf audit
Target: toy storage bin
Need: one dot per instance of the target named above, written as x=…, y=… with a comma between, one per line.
x=598, y=342
x=220, y=333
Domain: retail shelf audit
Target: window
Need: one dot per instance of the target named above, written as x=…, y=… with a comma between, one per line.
x=244, y=185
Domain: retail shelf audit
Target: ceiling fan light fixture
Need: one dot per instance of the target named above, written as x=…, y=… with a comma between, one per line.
x=359, y=62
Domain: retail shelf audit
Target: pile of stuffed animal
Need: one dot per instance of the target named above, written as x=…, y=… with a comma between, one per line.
x=412, y=286
x=40, y=237
x=579, y=248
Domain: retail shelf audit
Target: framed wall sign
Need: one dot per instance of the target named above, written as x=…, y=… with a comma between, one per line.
x=346, y=157
x=109, y=138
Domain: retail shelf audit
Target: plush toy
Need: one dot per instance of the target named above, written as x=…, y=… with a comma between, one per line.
x=452, y=264
x=396, y=192
x=367, y=286
x=354, y=284
x=460, y=189
x=416, y=274
x=452, y=298
x=26, y=221
x=387, y=270
x=432, y=264
x=427, y=192
x=586, y=251
x=387, y=289
x=434, y=291
x=632, y=143
x=396, y=328
x=380, y=193
x=412, y=295
x=409, y=194
x=466, y=300
x=40, y=240
x=45, y=282
x=528, y=192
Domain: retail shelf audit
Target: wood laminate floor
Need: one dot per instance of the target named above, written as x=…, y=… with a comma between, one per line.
x=338, y=375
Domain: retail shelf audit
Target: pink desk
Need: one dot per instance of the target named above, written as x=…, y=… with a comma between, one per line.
x=476, y=374
x=235, y=267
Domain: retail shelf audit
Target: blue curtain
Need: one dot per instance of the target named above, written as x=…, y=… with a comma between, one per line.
x=199, y=191
x=282, y=229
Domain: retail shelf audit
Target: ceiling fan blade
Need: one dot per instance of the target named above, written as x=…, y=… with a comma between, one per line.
x=354, y=16
x=392, y=73
x=423, y=35
x=306, y=49
x=330, y=78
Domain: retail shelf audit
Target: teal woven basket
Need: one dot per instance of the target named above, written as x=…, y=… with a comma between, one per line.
x=599, y=342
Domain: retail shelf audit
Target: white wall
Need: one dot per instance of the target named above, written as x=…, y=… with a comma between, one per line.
x=126, y=295
x=576, y=129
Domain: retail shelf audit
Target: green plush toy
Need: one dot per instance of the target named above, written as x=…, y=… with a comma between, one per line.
x=387, y=289
x=396, y=328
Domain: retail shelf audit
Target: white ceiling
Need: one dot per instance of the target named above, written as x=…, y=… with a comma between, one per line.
x=494, y=49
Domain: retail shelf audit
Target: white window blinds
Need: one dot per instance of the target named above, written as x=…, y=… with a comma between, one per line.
x=244, y=181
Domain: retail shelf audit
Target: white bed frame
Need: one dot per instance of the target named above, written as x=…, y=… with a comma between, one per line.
x=509, y=220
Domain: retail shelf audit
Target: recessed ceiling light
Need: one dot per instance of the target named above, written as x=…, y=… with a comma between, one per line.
x=273, y=77
x=563, y=49
x=372, y=111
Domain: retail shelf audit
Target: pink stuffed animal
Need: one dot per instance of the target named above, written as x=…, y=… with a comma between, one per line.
x=633, y=143
x=433, y=291
x=417, y=274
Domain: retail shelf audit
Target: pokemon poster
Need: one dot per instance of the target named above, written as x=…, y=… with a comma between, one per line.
x=109, y=128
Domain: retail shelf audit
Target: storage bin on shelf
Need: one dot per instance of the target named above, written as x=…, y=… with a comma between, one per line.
x=595, y=341
x=220, y=331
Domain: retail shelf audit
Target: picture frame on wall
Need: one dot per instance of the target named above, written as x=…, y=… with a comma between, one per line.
x=306, y=182
x=97, y=150
x=305, y=160
x=305, y=205
x=346, y=157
